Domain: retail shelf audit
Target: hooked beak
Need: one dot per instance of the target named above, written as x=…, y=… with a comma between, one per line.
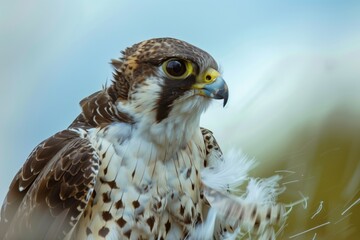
x=217, y=90
x=212, y=85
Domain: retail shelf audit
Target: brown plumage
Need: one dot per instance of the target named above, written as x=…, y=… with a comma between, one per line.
x=51, y=190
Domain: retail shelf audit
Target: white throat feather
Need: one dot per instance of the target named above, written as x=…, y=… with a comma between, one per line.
x=174, y=131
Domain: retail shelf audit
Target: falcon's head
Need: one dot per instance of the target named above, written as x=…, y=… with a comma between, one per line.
x=166, y=82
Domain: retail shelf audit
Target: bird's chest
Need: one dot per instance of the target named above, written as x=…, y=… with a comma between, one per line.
x=143, y=191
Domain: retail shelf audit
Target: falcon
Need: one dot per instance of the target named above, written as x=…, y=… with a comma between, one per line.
x=135, y=164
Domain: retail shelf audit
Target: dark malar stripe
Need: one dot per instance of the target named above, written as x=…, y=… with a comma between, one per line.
x=171, y=90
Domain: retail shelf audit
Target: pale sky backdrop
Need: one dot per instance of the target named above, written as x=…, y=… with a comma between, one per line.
x=286, y=62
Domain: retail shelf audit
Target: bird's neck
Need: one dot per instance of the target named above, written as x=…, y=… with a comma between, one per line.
x=172, y=133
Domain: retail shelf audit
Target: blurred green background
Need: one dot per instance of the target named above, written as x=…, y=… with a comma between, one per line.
x=293, y=69
x=321, y=162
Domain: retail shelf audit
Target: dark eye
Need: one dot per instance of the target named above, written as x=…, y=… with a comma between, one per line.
x=177, y=68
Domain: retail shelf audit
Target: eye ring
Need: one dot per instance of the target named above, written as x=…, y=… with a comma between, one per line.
x=177, y=68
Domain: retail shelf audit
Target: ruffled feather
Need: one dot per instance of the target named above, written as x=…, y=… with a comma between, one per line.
x=253, y=212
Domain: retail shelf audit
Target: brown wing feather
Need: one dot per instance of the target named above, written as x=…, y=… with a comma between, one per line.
x=51, y=190
x=49, y=193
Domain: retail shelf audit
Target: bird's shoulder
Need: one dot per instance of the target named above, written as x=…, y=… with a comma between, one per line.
x=99, y=109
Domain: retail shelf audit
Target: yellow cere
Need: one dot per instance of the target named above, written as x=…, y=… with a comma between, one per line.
x=210, y=75
x=207, y=77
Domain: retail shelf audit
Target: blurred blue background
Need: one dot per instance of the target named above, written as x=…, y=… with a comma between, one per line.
x=293, y=68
